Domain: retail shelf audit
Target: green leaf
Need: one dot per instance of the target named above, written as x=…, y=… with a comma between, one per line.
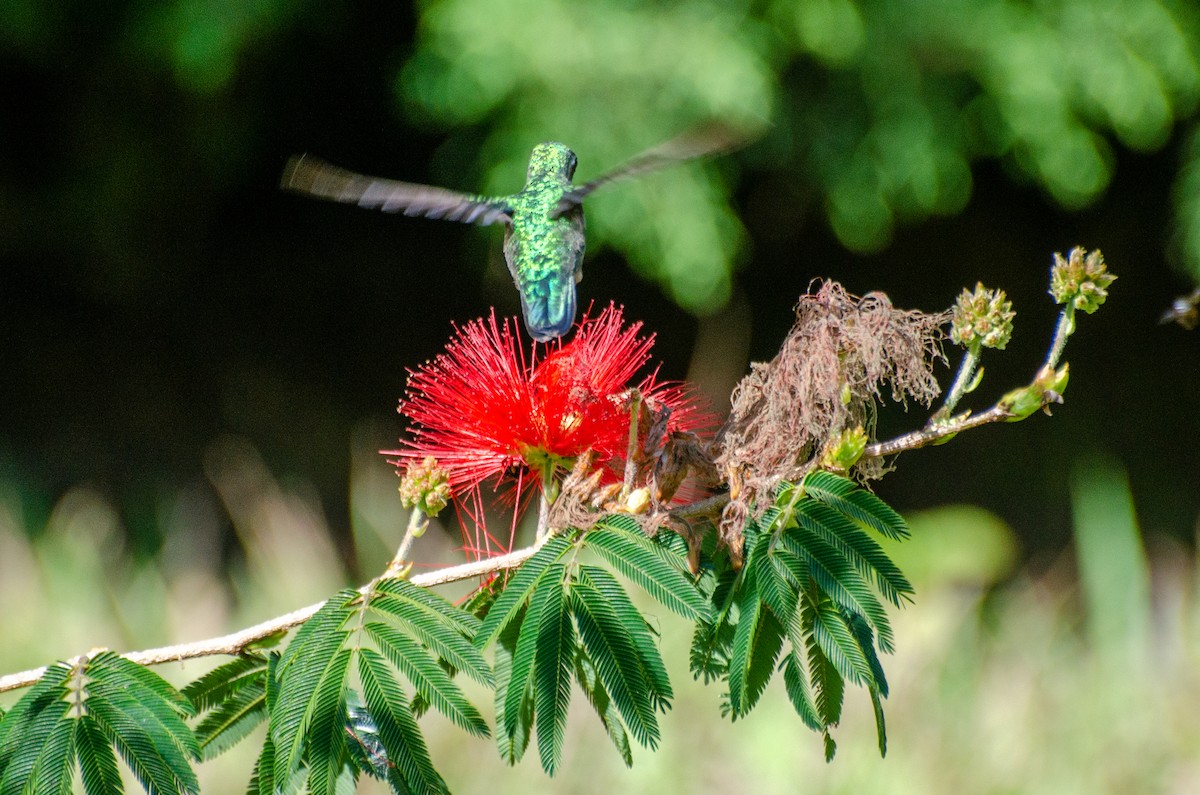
x=142, y=715
x=880, y=725
x=407, y=758
x=862, y=550
x=97, y=761
x=447, y=637
x=16, y=724
x=775, y=588
x=597, y=696
x=519, y=588
x=429, y=679
x=845, y=497
x=262, y=781
x=649, y=565
x=55, y=762
x=367, y=753
x=108, y=666
x=230, y=721
x=153, y=758
x=310, y=677
x=865, y=640
x=44, y=743
x=512, y=730
x=611, y=650
x=749, y=608
x=552, y=671
x=708, y=656
x=794, y=678
x=218, y=684
x=465, y=622
x=837, y=577
x=768, y=642
x=326, y=738
x=639, y=632
x=827, y=683
x=831, y=632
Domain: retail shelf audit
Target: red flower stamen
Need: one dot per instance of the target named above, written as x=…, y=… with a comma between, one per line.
x=486, y=412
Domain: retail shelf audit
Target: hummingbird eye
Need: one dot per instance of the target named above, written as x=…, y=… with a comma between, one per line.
x=571, y=163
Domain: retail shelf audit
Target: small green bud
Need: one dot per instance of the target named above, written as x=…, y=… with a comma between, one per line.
x=844, y=450
x=425, y=486
x=1047, y=388
x=983, y=315
x=1081, y=280
x=638, y=501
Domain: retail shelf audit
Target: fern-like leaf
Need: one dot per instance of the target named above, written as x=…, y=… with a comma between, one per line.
x=231, y=720
x=846, y=497
x=310, y=674
x=768, y=643
x=749, y=608
x=154, y=762
x=712, y=640
x=512, y=730
x=862, y=550
x=326, y=742
x=55, y=761
x=552, y=672
x=143, y=716
x=597, y=696
x=519, y=588
x=880, y=724
x=621, y=542
x=218, y=684
x=97, y=761
x=796, y=683
x=409, y=767
x=616, y=660
x=838, y=578
x=638, y=630
x=41, y=753
x=429, y=678
x=17, y=725
x=440, y=625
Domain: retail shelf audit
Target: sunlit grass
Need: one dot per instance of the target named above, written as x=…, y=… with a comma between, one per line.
x=1016, y=687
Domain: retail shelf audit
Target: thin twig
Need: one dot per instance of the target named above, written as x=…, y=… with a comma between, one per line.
x=237, y=642
x=936, y=431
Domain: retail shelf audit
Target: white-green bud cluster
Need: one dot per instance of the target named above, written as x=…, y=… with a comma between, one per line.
x=1081, y=280
x=425, y=486
x=982, y=315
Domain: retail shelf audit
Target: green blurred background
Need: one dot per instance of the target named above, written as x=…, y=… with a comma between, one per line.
x=192, y=362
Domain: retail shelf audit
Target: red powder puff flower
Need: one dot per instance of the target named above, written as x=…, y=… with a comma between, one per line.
x=486, y=412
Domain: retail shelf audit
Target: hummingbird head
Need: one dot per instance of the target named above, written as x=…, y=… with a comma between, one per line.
x=551, y=159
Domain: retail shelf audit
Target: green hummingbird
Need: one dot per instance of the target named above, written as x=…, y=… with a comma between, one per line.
x=544, y=229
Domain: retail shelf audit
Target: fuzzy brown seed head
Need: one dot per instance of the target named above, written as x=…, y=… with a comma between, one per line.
x=984, y=316
x=1081, y=280
x=843, y=357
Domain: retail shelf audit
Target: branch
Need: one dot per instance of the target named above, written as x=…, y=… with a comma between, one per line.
x=237, y=642
x=936, y=431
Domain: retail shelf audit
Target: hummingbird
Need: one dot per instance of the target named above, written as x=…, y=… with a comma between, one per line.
x=544, y=236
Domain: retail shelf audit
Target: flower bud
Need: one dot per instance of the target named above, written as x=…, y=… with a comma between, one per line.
x=425, y=486
x=984, y=316
x=844, y=450
x=1081, y=280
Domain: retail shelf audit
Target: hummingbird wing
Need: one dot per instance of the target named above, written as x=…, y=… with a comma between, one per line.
x=704, y=140
x=313, y=176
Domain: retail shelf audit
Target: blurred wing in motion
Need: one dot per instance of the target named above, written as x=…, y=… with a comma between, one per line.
x=314, y=177
x=708, y=139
